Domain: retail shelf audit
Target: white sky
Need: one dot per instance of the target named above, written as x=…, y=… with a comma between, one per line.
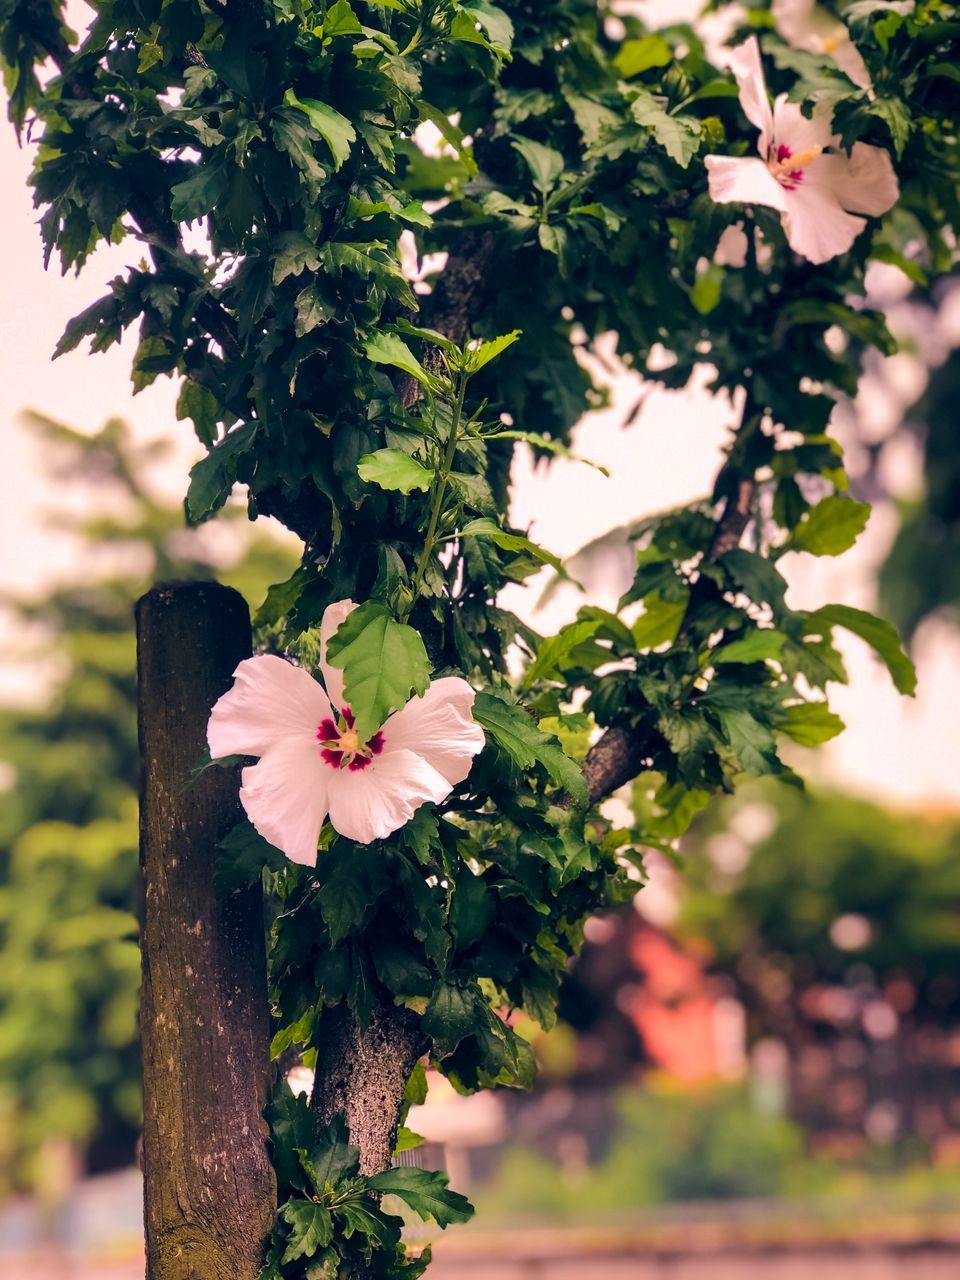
x=897, y=749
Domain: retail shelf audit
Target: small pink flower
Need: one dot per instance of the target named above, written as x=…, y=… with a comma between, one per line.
x=802, y=171
x=312, y=763
x=807, y=25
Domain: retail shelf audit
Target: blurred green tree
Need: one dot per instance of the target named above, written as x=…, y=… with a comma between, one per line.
x=839, y=923
x=69, y=1065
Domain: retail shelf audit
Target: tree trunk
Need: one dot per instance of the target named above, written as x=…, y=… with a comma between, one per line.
x=209, y=1189
x=363, y=1073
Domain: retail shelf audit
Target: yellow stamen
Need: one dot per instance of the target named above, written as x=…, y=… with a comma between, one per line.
x=832, y=43
x=349, y=742
x=782, y=168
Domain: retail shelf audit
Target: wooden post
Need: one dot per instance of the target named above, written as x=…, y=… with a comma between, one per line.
x=209, y=1189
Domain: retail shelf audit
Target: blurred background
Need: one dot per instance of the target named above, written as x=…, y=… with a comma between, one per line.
x=755, y=1070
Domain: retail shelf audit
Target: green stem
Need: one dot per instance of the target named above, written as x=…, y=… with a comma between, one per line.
x=439, y=493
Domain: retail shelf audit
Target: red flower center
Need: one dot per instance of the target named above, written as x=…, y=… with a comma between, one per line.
x=340, y=746
x=788, y=167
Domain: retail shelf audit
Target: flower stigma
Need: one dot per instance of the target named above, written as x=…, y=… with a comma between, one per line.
x=788, y=166
x=340, y=743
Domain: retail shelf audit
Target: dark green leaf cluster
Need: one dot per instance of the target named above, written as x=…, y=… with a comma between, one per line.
x=331, y=1220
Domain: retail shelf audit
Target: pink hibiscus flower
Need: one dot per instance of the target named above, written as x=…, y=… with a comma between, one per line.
x=801, y=171
x=807, y=25
x=313, y=765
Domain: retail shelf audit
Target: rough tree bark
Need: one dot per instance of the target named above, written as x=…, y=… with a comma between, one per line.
x=364, y=1073
x=209, y=1189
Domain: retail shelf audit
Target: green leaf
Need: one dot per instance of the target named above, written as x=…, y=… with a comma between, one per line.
x=757, y=577
x=244, y=854
x=517, y=733
x=752, y=742
x=660, y=620
x=336, y=130
x=197, y=194
x=708, y=288
x=200, y=406
x=880, y=635
x=333, y=1159
x=831, y=527
x=554, y=651
x=426, y=1193
x=810, y=723
x=407, y=1140
x=449, y=1017
x=476, y=357
x=758, y=646
x=538, y=441
x=494, y=21
x=487, y=528
x=383, y=662
x=313, y=310
x=352, y=885
x=213, y=477
x=390, y=349
x=311, y=1228
x=395, y=470
x=293, y=253
x=340, y=20
x=545, y=164
x=635, y=56
x=678, y=135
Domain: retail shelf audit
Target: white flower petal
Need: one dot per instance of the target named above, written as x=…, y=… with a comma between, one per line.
x=333, y=615
x=285, y=797
x=810, y=26
x=850, y=61
x=439, y=727
x=271, y=701
x=792, y=128
x=369, y=804
x=746, y=66
x=864, y=181
x=816, y=226
x=745, y=180
x=793, y=20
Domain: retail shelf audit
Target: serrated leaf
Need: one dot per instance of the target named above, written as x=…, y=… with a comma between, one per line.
x=213, y=477
x=553, y=652
x=831, y=527
x=383, y=663
x=758, y=646
x=351, y=888
x=336, y=130
x=426, y=1193
x=244, y=854
x=476, y=357
x=517, y=733
x=545, y=164
x=396, y=471
x=487, y=528
x=311, y=1228
x=197, y=194
x=635, y=56
x=810, y=723
x=449, y=1017
x=200, y=406
x=390, y=349
x=678, y=135
x=660, y=620
x=880, y=635
x=313, y=310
